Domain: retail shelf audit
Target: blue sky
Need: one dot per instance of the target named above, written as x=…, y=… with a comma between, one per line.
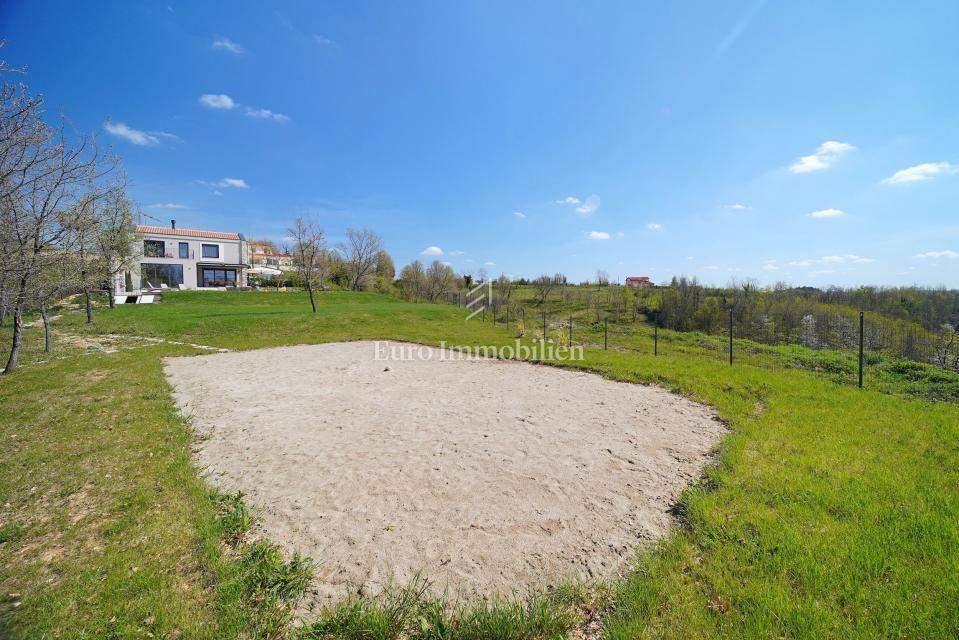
x=811, y=142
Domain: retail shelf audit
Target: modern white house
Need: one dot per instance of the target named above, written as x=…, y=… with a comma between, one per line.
x=188, y=258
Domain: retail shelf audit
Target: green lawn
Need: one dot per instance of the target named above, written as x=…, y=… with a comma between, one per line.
x=832, y=511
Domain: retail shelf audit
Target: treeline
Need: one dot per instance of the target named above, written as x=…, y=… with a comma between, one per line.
x=910, y=322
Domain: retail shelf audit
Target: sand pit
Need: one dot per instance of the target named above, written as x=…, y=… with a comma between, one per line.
x=489, y=477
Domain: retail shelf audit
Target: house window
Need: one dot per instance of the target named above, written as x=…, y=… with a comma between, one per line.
x=153, y=248
x=211, y=251
x=184, y=250
x=153, y=275
x=219, y=277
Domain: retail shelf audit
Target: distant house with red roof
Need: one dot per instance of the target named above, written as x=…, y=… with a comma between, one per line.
x=638, y=281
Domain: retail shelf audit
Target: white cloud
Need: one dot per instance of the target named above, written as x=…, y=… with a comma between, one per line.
x=569, y=200
x=921, y=172
x=131, y=135
x=227, y=183
x=446, y=263
x=217, y=192
x=227, y=45
x=265, y=114
x=654, y=226
x=824, y=157
x=217, y=101
x=800, y=263
x=832, y=258
x=431, y=250
x=455, y=253
x=827, y=213
x=598, y=235
x=589, y=207
x=167, y=205
x=946, y=253
x=519, y=214
x=322, y=40
x=736, y=207
x=620, y=234
x=489, y=264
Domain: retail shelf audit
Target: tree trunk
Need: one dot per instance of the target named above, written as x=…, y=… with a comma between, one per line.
x=89, y=303
x=113, y=304
x=17, y=327
x=47, y=333
x=309, y=288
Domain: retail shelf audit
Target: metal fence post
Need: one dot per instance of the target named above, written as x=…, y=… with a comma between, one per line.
x=861, y=354
x=730, y=337
x=605, y=333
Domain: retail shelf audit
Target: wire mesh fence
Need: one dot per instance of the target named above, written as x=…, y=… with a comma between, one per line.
x=846, y=347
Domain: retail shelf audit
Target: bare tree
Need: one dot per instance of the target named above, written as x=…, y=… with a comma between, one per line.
x=361, y=253
x=544, y=286
x=42, y=177
x=503, y=287
x=308, y=254
x=602, y=278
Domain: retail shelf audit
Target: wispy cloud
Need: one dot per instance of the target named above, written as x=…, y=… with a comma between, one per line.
x=827, y=213
x=519, y=214
x=431, y=250
x=654, y=226
x=736, y=207
x=921, y=172
x=825, y=156
x=266, y=114
x=598, y=235
x=166, y=205
x=323, y=40
x=737, y=30
x=227, y=183
x=569, y=200
x=946, y=253
x=589, y=206
x=711, y=267
x=143, y=138
x=226, y=44
x=130, y=134
x=217, y=101
x=489, y=264
x=457, y=252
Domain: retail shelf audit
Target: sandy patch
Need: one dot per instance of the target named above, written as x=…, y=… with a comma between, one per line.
x=488, y=476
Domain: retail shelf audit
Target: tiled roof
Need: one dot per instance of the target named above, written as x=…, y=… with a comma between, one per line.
x=194, y=233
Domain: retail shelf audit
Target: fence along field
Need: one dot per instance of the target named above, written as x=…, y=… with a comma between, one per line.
x=849, y=346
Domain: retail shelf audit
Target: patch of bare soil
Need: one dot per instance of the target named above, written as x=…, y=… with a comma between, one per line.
x=488, y=476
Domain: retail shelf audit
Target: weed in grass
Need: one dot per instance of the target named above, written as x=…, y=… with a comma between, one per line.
x=233, y=517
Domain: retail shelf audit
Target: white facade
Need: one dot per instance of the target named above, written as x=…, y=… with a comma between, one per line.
x=192, y=258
